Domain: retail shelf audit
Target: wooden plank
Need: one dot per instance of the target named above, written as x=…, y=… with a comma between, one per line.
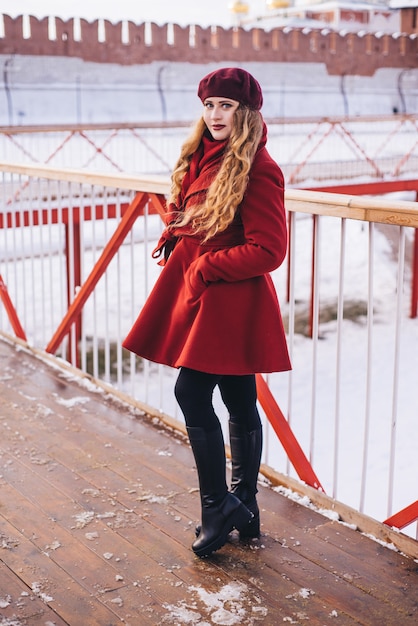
x=151, y=540
x=292, y=581
x=67, y=441
x=306, y=566
x=62, y=458
x=289, y=598
x=19, y=604
x=166, y=552
x=120, y=461
x=402, y=213
x=354, y=592
x=368, y=585
x=395, y=581
x=163, y=550
x=53, y=583
x=86, y=562
x=347, y=514
x=291, y=512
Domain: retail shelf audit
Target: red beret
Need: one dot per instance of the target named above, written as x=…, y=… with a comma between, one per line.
x=234, y=83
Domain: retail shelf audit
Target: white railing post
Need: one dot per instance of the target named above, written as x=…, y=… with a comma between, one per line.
x=315, y=331
x=369, y=368
x=338, y=381
x=396, y=365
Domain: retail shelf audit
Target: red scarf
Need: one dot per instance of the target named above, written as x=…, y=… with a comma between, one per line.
x=204, y=166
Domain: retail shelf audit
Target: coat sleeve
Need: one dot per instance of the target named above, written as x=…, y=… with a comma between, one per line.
x=264, y=221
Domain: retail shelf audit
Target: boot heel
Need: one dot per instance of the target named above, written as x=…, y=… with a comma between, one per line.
x=217, y=523
x=252, y=529
x=242, y=517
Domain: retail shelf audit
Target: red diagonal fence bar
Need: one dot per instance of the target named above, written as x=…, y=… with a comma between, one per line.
x=135, y=209
x=11, y=311
x=403, y=518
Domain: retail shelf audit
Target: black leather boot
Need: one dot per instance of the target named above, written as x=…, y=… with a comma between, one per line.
x=221, y=511
x=246, y=458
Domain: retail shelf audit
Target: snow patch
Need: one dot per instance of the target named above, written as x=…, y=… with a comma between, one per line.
x=306, y=502
x=10, y=621
x=228, y=606
x=153, y=499
x=84, y=518
x=37, y=590
x=43, y=411
x=70, y=402
x=386, y=544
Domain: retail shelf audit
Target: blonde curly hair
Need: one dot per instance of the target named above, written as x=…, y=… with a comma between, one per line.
x=227, y=190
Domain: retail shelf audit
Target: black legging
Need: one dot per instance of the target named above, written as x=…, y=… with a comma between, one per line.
x=194, y=393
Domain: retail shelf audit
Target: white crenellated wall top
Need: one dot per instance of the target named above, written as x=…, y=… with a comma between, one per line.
x=127, y=43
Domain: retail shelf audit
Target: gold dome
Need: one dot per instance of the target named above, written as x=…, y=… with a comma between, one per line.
x=238, y=7
x=277, y=4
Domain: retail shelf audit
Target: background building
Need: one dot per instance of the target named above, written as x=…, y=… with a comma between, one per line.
x=75, y=71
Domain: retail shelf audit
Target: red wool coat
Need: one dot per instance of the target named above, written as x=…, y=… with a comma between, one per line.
x=214, y=307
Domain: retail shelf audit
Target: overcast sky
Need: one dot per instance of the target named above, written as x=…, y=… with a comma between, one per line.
x=183, y=12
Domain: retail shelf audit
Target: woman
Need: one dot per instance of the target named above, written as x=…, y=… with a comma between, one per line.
x=213, y=311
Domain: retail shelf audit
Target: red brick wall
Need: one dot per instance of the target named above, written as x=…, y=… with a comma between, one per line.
x=342, y=54
x=409, y=20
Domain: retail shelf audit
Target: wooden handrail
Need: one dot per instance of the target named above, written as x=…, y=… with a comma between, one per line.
x=337, y=119
x=395, y=212
x=400, y=213
x=150, y=184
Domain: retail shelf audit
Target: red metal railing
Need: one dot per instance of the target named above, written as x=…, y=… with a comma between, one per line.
x=130, y=214
x=403, y=518
x=378, y=188
x=73, y=315
x=127, y=213
x=380, y=147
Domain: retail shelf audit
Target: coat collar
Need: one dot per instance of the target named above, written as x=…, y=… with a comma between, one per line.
x=205, y=164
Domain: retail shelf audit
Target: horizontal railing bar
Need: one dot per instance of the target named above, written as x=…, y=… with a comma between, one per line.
x=399, y=212
x=53, y=128
x=150, y=183
x=376, y=187
x=42, y=128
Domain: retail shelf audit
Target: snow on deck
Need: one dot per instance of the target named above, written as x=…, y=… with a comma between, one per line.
x=98, y=504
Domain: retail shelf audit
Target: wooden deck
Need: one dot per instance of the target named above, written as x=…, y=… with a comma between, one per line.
x=97, y=514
